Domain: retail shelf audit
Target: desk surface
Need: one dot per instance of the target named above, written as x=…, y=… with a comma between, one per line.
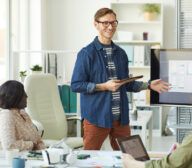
x=98, y=158
x=108, y=159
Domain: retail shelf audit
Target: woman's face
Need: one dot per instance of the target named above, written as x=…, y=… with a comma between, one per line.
x=23, y=102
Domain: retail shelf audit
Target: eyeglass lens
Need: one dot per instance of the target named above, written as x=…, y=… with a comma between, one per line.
x=107, y=23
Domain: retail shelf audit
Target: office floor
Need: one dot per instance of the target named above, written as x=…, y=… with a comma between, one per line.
x=162, y=143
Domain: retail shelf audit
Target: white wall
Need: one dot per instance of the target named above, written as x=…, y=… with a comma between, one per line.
x=170, y=29
x=68, y=24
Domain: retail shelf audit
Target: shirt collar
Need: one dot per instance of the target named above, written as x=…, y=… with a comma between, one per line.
x=99, y=46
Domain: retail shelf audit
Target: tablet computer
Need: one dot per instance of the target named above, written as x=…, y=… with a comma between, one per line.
x=133, y=145
x=130, y=79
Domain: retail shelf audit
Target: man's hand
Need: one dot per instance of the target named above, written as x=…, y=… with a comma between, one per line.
x=159, y=86
x=111, y=85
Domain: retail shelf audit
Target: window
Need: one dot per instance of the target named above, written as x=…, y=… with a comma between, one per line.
x=26, y=35
x=4, y=40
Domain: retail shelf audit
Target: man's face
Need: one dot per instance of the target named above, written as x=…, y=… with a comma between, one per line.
x=106, y=26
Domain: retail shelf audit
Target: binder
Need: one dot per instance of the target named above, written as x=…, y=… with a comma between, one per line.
x=68, y=99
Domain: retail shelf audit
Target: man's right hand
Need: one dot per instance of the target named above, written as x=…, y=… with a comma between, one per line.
x=110, y=85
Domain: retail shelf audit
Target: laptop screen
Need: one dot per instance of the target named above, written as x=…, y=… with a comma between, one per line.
x=133, y=145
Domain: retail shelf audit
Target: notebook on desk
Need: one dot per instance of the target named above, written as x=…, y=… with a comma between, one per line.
x=133, y=145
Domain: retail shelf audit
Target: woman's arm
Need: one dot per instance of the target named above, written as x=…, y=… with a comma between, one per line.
x=8, y=134
x=181, y=157
x=130, y=162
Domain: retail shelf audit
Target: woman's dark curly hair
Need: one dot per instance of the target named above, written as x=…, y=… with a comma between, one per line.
x=11, y=94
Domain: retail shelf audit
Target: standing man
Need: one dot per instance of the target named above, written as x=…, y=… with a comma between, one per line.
x=98, y=69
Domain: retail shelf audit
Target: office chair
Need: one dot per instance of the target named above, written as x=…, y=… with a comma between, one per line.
x=44, y=105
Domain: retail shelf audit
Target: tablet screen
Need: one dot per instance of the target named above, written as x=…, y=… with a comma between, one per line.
x=133, y=145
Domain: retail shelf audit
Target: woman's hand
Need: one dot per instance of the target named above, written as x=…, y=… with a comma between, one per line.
x=35, y=145
x=160, y=86
x=174, y=147
x=130, y=162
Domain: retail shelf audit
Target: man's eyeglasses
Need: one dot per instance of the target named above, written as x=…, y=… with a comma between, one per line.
x=107, y=23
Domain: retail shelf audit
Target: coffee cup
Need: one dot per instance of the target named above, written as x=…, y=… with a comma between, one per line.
x=18, y=162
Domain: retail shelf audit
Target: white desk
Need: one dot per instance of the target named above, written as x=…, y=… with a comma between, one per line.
x=108, y=159
x=98, y=158
x=144, y=118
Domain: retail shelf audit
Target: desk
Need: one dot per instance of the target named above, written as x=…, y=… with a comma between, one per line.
x=144, y=118
x=108, y=159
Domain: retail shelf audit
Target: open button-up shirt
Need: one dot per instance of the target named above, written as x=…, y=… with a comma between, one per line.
x=91, y=69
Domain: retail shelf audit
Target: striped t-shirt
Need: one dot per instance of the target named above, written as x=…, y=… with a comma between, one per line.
x=112, y=75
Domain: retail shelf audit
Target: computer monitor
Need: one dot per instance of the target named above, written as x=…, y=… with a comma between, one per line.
x=175, y=67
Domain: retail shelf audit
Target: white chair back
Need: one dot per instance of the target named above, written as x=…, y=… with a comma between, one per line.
x=44, y=105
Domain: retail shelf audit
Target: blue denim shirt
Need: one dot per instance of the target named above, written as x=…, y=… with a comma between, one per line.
x=91, y=69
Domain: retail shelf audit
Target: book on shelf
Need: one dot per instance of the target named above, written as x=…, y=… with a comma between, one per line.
x=138, y=55
x=129, y=51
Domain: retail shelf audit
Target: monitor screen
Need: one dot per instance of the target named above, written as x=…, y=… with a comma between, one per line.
x=175, y=67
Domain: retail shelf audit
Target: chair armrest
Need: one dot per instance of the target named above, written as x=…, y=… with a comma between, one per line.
x=74, y=118
x=39, y=127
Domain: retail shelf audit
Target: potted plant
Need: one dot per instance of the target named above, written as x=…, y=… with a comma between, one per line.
x=151, y=11
x=22, y=75
x=36, y=68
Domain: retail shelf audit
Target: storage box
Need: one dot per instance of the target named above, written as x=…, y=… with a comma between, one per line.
x=125, y=35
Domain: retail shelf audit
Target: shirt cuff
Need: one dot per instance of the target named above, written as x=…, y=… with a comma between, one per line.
x=91, y=87
x=144, y=86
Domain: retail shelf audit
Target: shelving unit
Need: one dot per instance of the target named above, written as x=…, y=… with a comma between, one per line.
x=129, y=36
x=131, y=19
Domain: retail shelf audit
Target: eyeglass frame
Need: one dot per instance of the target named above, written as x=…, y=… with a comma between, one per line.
x=108, y=23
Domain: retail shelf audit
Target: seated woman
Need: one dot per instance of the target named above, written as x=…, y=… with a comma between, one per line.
x=180, y=157
x=16, y=128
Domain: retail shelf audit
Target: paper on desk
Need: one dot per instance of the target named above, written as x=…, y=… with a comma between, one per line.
x=93, y=162
x=99, y=161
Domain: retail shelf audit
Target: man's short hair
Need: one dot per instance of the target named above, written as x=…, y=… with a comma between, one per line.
x=102, y=12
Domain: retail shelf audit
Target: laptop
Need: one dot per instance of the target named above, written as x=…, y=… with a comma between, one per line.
x=133, y=145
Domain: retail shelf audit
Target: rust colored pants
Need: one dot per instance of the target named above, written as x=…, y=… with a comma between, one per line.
x=94, y=136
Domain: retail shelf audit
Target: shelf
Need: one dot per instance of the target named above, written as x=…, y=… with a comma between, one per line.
x=129, y=37
x=149, y=106
x=137, y=42
x=139, y=67
x=139, y=22
x=135, y=1
x=71, y=114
